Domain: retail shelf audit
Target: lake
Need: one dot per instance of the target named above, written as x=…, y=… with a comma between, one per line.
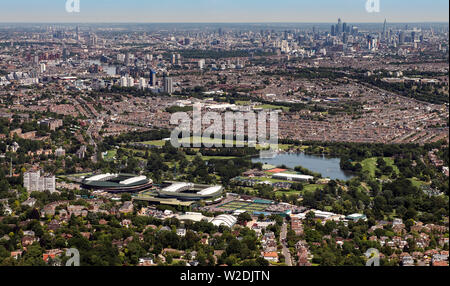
x=110, y=70
x=327, y=166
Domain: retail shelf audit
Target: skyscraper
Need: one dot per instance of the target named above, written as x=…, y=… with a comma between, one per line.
x=142, y=83
x=339, y=27
x=384, y=30
x=402, y=37
x=78, y=33
x=152, y=78
x=168, y=85
x=201, y=64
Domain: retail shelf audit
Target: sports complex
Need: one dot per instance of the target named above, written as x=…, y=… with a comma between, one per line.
x=181, y=193
x=117, y=183
x=250, y=207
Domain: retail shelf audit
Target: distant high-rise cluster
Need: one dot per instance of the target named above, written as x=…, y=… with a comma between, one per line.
x=340, y=28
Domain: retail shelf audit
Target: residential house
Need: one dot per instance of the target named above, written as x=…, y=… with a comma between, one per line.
x=270, y=256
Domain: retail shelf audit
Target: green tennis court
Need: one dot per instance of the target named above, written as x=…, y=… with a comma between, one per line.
x=247, y=206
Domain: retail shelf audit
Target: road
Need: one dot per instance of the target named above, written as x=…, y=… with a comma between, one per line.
x=285, y=251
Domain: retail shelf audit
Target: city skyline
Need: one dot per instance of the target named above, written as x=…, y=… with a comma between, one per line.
x=224, y=144
x=220, y=11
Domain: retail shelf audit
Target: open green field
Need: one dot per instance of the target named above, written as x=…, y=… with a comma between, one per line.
x=390, y=162
x=370, y=165
x=307, y=188
x=243, y=102
x=274, y=107
x=110, y=155
x=279, y=194
x=284, y=147
x=312, y=188
x=417, y=183
x=209, y=141
x=159, y=143
x=223, y=142
x=207, y=158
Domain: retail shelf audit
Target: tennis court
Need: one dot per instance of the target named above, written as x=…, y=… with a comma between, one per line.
x=247, y=206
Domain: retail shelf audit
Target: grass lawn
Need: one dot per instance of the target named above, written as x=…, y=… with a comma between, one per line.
x=312, y=188
x=280, y=193
x=110, y=155
x=274, y=107
x=207, y=158
x=284, y=147
x=135, y=151
x=208, y=141
x=370, y=165
x=390, y=162
x=417, y=183
x=159, y=143
x=223, y=142
x=243, y=102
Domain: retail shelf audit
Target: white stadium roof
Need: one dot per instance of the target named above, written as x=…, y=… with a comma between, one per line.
x=178, y=187
x=209, y=191
x=227, y=220
x=133, y=180
x=102, y=177
x=197, y=217
x=293, y=176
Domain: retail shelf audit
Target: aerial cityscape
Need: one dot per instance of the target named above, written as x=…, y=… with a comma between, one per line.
x=90, y=110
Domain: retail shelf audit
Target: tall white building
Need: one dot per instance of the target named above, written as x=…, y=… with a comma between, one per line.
x=123, y=81
x=201, y=64
x=142, y=83
x=130, y=81
x=33, y=182
x=126, y=81
x=43, y=67
x=168, y=85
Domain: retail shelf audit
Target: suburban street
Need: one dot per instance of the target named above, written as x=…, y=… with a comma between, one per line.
x=285, y=249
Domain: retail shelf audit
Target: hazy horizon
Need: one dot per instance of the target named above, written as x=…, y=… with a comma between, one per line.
x=223, y=11
x=324, y=23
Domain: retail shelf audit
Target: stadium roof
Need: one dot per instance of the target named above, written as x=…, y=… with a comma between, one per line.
x=197, y=217
x=227, y=220
x=210, y=191
x=133, y=180
x=293, y=176
x=102, y=177
x=116, y=181
x=177, y=187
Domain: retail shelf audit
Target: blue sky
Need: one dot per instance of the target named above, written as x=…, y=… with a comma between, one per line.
x=160, y=11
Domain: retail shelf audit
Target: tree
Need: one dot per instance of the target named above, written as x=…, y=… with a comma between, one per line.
x=262, y=262
x=244, y=218
x=169, y=259
x=125, y=197
x=297, y=186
